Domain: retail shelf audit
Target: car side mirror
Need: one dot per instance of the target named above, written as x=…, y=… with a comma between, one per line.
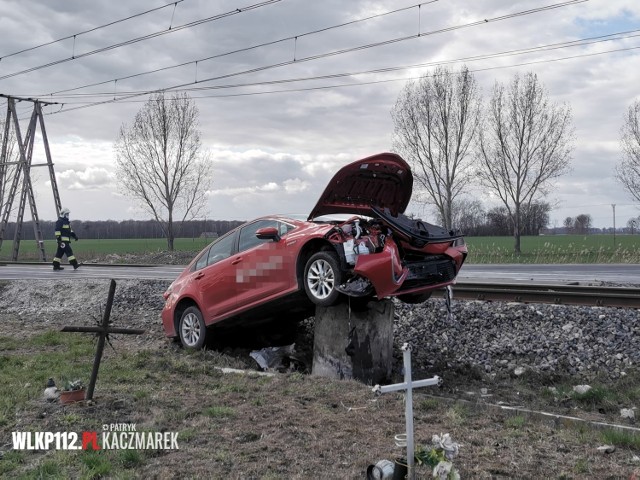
x=268, y=233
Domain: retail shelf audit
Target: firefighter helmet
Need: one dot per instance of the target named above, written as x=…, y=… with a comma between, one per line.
x=64, y=212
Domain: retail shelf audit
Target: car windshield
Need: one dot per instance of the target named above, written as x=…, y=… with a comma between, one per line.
x=338, y=217
x=294, y=216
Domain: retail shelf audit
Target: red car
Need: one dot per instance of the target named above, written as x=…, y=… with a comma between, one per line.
x=283, y=266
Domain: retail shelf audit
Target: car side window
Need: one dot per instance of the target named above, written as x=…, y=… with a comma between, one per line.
x=248, y=237
x=220, y=250
x=284, y=228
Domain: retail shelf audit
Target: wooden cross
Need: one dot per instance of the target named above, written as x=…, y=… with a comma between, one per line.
x=408, y=386
x=103, y=330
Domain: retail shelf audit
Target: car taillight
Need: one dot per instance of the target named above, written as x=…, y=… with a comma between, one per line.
x=166, y=294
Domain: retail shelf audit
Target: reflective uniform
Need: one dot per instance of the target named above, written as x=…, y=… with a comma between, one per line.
x=64, y=234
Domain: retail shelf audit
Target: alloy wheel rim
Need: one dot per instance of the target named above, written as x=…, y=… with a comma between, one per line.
x=191, y=329
x=321, y=279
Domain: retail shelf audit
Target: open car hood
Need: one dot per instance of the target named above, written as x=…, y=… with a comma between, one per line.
x=383, y=181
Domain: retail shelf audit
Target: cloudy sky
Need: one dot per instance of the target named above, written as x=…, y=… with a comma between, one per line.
x=291, y=90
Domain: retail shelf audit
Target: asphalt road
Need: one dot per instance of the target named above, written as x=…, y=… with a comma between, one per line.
x=552, y=274
x=543, y=274
x=45, y=272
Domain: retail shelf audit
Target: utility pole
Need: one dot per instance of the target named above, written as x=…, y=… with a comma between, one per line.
x=613, y=205
x=22, y=168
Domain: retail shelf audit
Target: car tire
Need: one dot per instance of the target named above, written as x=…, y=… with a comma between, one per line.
x=321, y=276
x=192, y=329
x=414, y=298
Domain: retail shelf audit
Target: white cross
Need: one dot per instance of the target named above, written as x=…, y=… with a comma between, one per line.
x=408, y=385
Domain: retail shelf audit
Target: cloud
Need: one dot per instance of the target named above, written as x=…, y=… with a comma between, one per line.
x=295, y=185
x=276, y=151
x=91, y=178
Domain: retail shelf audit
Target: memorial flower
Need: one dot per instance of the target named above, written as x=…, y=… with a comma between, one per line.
x=439, y=456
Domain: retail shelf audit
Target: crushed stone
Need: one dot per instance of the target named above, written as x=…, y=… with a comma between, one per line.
x=493, y=337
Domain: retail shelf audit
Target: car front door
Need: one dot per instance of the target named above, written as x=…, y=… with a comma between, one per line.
x=264, y=268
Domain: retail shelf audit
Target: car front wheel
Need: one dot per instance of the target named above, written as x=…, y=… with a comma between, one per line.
x=321, y=276
x=192, y=329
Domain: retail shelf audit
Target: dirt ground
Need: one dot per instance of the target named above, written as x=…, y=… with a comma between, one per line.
x=297, y=426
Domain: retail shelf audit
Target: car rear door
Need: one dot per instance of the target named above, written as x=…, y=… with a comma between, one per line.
x=214, y=278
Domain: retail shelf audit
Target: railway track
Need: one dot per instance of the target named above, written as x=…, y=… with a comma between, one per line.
x=628, y=297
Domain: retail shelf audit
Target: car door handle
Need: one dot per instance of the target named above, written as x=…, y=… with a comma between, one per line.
x=236, y=261
x=199, y=276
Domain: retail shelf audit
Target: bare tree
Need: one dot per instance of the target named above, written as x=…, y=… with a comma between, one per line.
x=583, y=223
x=498, y=221
x=628, y=170
x=525, y=143
x=468, y=215
x=535, y=218
x=159, y=161
x=435, y=122
x=569, y=224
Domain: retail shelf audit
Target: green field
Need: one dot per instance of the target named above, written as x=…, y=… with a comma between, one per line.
x=88, y=248
x=556, y=249
x=541, y=249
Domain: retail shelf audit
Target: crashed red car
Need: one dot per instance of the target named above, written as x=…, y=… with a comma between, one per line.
x=283, y=266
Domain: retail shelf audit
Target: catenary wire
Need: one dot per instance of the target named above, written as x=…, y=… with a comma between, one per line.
x=375, y=82
x=242, y=50
x=503, y=54
x=75, y=35
x=142, y=38
x=325, y=55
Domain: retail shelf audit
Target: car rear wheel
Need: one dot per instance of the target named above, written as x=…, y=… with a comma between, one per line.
x=192, y=329
x=321, y=276
x=414, y=298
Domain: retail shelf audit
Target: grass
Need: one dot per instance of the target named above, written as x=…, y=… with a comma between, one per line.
x=515, y=422
x=556, y=249
x=217, y=411
x=621, y=438
x=603, y=396
x=553, y=249
x=287, y=426
x=24, y=372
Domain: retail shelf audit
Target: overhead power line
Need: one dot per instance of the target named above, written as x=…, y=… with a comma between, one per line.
x=245, y=49
x=330, y=54
x=357, y=84
x=504, y=54
x=75, y=35
x=142, y=38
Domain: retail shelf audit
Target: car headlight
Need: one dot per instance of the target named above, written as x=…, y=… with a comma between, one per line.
x=458, y=242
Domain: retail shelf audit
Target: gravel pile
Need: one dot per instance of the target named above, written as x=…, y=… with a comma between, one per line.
x=137, y=303
x=493, y=337
x=503, y=337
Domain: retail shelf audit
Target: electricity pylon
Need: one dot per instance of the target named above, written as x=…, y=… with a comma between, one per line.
x=23, y=169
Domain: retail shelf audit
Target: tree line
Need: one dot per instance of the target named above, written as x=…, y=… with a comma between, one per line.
x=469, y=215
x=110, y=229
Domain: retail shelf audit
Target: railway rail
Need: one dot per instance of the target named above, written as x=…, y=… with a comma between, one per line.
x=517, y=291
x=587, y=295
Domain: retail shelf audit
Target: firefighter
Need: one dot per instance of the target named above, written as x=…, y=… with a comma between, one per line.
x=64, y=234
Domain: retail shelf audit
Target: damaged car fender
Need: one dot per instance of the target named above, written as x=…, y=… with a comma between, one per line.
x=384, y=269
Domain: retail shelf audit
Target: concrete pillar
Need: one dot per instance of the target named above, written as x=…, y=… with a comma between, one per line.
x=349, y=344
